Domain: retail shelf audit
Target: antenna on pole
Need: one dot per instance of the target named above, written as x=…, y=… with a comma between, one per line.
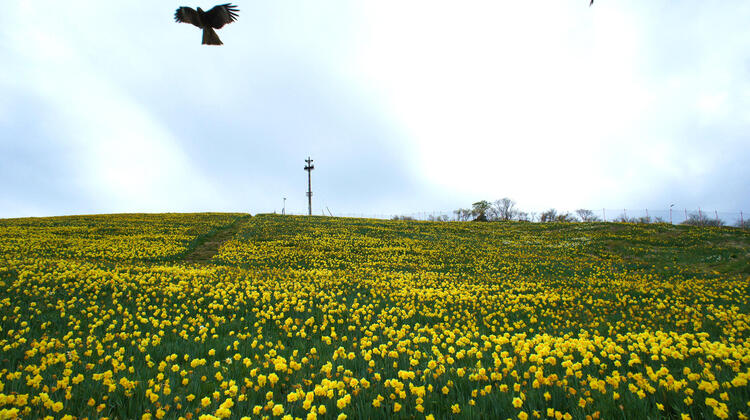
x=309, y=167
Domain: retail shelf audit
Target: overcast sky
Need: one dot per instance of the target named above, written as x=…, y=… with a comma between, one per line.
x=405, y=106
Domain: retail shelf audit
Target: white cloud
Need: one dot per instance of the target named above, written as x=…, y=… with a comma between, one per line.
x=123, y=158
x=506, y=99
x=417, y=105
x=551, y=104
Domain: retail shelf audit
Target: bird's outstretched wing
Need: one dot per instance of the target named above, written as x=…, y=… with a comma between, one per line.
x=187, y=15
x=220, y=15
x=592, y=2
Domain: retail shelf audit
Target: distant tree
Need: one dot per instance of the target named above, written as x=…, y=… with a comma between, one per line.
x=462, y=215
x=623, y=218
x=565, y=217
x=700, y=219
x=438, y=218
x=743, y=224
x=503, y=209
x=480, y=210
x=587, y=215
x=522, y=216
x=397, y=217
x=551, y=215
x=548, y=216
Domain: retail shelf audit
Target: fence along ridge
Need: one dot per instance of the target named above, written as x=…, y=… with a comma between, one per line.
x=644, y=215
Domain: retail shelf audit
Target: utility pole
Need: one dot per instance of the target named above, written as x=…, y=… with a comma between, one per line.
x=309, y=167
x=283, y=209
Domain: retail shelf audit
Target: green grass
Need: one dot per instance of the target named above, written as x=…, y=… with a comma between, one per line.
x=601, y=290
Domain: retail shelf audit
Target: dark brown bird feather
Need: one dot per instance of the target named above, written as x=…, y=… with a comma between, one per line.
x=215, y=18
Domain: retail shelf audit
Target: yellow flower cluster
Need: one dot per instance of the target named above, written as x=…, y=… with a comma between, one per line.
x=123, y=237
x=310, y=317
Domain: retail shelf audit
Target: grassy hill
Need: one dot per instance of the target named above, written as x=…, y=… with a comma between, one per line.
x=228, y=315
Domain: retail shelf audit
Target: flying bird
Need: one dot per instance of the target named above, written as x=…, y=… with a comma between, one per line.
x=215, y=18
x=592, y=2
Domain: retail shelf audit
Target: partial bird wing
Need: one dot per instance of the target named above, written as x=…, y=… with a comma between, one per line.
x=187, y=15
x=220, y=15
x=592, y=2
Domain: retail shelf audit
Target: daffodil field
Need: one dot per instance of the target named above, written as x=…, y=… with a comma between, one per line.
x=313, y=317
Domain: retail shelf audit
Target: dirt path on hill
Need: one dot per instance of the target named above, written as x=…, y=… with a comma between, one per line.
x=210, y=247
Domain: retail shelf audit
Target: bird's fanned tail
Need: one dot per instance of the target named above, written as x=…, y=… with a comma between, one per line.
x=215, y=18
x=210, y=37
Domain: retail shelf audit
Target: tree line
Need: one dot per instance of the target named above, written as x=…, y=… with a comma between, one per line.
x=505, y=209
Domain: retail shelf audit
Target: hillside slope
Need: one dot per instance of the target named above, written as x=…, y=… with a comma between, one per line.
x=186, y=315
